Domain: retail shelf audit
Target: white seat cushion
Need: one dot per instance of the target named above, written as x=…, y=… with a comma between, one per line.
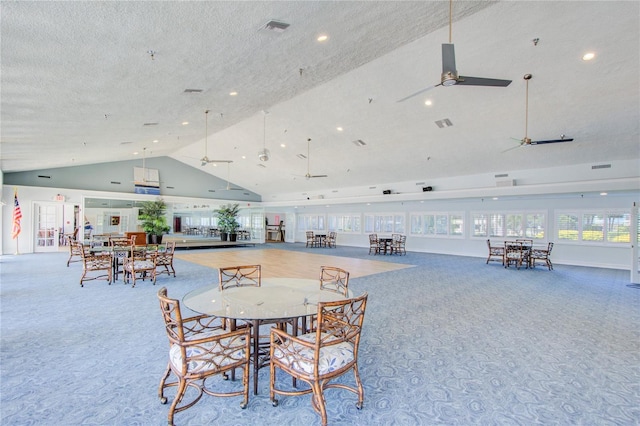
x=332, y=357
x=140, y=264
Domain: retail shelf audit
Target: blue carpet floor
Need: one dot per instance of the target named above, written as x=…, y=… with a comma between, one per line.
x=451, y=341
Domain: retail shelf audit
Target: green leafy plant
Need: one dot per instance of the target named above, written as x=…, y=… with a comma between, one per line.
x=152, y=215
x=227, y=218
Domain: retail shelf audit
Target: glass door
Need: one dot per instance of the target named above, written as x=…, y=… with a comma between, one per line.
x=46, y=226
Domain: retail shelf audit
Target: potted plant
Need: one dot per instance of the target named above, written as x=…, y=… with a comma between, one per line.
x=154, y=221
x=227, y=221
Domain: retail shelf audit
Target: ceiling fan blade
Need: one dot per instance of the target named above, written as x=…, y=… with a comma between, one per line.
x=448, y=59
x=513, y=147
x=551, y=141
x=478, y=81
x=419, y=92
x=318, y=176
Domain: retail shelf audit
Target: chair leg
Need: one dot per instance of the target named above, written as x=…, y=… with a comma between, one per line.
x=163, y=399
x=182, y=386
x=318, y=402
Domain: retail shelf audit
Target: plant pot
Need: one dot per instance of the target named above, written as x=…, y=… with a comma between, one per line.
x=233, y=237
x=155, y=239
x=223, y=236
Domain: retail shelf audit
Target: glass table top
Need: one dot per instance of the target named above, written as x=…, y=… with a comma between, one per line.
x=277, y=298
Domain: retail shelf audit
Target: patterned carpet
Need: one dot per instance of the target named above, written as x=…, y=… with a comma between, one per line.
x=451, y=341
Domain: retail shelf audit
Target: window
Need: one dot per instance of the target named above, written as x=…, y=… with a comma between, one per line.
x=311, y=222
x=384, y=223
x=509, y=225
x=437, y=224
x=344, y=223
x=597, y=227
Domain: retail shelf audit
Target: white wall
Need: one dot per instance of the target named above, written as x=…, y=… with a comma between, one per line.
x=599, y=255
x=618, y=257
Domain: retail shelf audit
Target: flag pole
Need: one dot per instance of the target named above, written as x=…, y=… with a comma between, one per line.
x=17, y=247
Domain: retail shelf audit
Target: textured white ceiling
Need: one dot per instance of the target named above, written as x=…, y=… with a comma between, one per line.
x=78, y=85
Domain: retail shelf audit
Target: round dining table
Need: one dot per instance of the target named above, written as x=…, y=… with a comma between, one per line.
x=277, y=300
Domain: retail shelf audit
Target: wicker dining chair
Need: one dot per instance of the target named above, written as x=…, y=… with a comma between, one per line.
x=141, y=264
x=515, y=253
x=398, y=242
x=331, y=279
x=164, y=260
x=374, y=244
x=200, y=348
x=331, y=239
x=95, y=266
x=334, y=279
x=541, y=254
x=239, y=276
x=75, y=252
x=495, y=253
x=311, y=239
x=323, y=355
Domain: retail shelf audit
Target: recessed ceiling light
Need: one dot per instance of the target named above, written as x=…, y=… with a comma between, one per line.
x=136, y=153
x=603, y=193
x=322, y=38
x=428, y=102
x=588, y=56
x=494, y=198
x=244, y=157
x=233, y=93
x=283, y=145
x=185, y=123
x=339, y=129
x=155, y=141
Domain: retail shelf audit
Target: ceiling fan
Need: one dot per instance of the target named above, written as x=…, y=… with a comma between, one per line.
x=229, y=187
x=526, y=140
x=205, y=160
x=309, y=175
x=450, y=75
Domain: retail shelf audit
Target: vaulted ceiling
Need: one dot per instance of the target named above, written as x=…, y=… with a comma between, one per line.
x=89, y=82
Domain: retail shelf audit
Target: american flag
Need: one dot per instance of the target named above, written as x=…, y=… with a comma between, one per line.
x=17, y=215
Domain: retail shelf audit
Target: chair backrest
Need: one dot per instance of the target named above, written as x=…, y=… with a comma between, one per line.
x=240, y=276
x=334, y=279
x=121, y=241
x=76, y=248
x=170, y=247
x=549, y=247
x=513, y=248
x=340, y=321
x=310, y=235
x=172, y=316
x=373, y=238
x=525, y=241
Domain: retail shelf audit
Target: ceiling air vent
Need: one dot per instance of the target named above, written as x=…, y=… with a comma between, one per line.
x=192, y=90
x=113, y=182
x=275, y=26
x=301, y=156
x=44, y=176
x=262, y=165
x=150, y=124
x=601, y=166
x=502, y=175
x=444, y=123
x=359, y=142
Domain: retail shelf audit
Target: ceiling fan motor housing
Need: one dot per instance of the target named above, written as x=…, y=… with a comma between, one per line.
x=264, y=155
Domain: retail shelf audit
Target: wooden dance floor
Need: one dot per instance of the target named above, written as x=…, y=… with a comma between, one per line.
x=284, y=263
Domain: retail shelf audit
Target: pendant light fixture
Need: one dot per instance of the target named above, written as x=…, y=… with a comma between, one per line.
x=264, y=154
